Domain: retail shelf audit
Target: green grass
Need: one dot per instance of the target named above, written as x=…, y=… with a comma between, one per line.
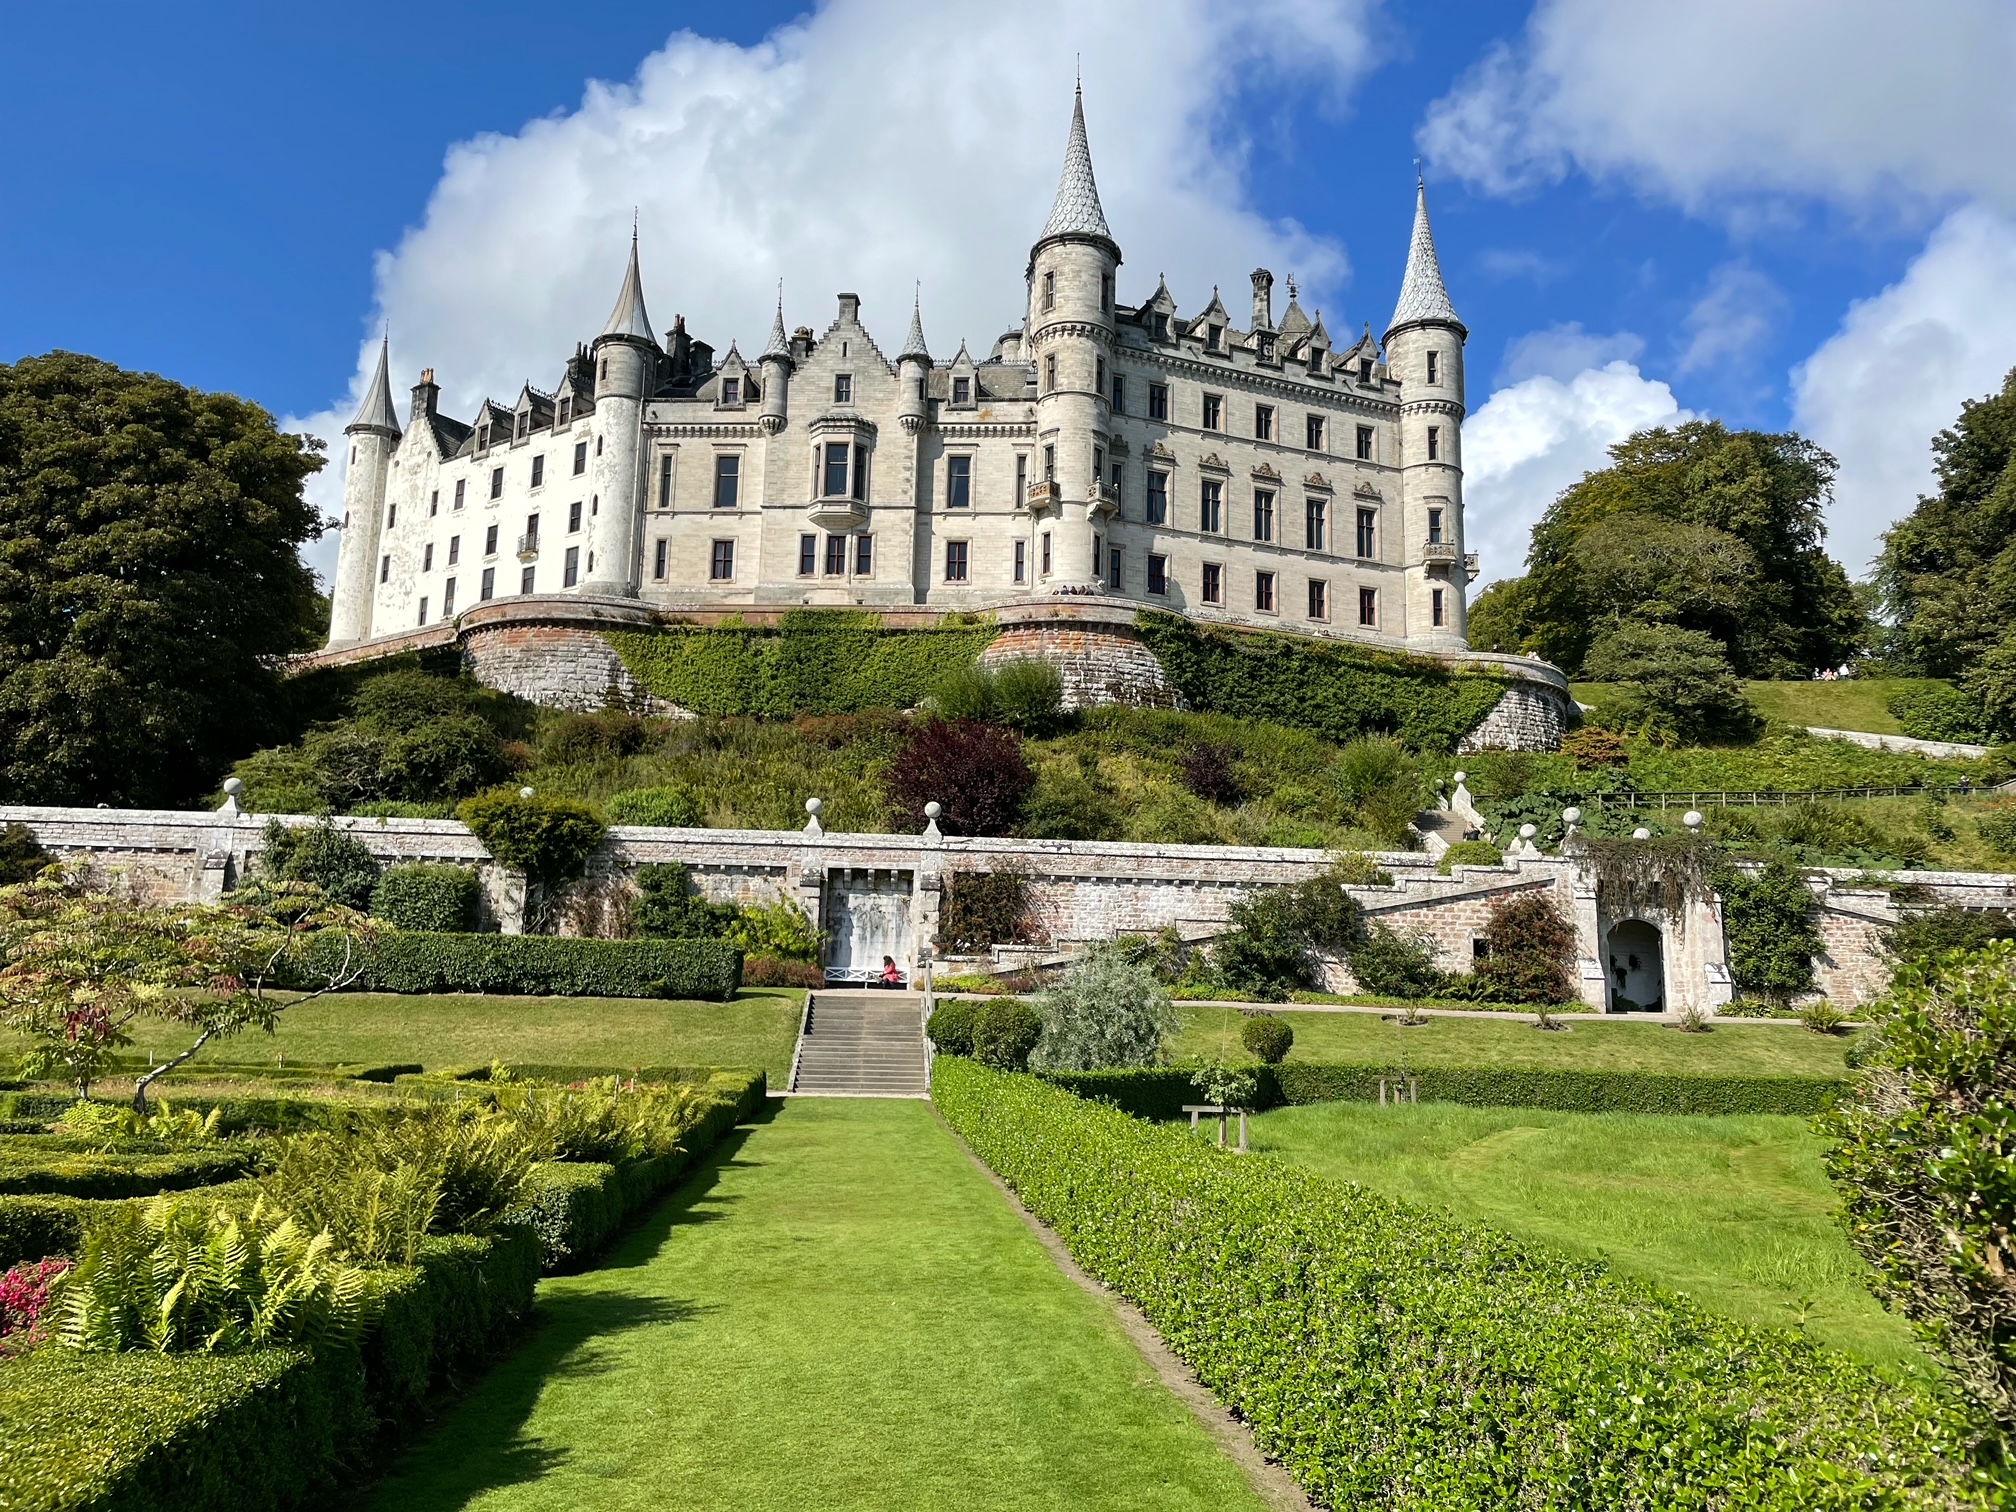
x=1860, y=703
x=1732, y=1211
x=1370, y=1039
x=758, y=1029
x=842, y=1313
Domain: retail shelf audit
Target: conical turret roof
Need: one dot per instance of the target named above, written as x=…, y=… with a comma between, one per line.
x=1423, y=299
x=913, y=344
x=629, y=318
x=1076, y=211
x=376, y=412
x=780, y=344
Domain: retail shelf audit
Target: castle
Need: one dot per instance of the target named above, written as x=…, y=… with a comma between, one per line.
x=1256, y=476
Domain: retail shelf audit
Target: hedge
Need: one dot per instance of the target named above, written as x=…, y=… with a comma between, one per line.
x=539, y=965
x=1337, y=691
x=236, y=1114
x=816, y=661
x=422, y=896
x=1392, y=1356
x=28, y=1171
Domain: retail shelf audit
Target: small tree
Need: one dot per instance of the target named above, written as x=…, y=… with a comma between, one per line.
x=548, y=839
x=322, y=856
x=983, y=909
x=1531, y=952
x=667, y=909
x=1683, y=678
x=1108, y=1011
x=1267, y=1039
x=975, y=772
x=1771, y=921
x=1271, y=948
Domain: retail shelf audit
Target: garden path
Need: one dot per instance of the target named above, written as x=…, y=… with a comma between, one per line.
x=840, y=1311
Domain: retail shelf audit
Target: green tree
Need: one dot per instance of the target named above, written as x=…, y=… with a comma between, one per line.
x=1772, y=924
x=1682, y=679
x=149, y=576
x=1109, y=1010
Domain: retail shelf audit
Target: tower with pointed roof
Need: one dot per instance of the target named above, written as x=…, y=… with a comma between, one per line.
x=372, y=436
x=627, y=359
x=1424, y=351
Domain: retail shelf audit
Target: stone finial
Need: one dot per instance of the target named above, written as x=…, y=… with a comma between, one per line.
x=525, y=792
x=1641, y=833
x=1693, y=819
x=812, y=808
x=230, y=806
x=931, y=813
x=1570, y=818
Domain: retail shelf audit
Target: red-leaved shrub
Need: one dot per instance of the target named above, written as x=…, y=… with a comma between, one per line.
x=975, y=772
x=24, y=1298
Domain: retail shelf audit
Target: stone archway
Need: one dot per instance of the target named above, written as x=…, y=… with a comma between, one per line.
x=1635, y=966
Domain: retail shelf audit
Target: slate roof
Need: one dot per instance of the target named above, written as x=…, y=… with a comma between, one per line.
x=1077, y=211
x=1422, y=296
x=376, y=412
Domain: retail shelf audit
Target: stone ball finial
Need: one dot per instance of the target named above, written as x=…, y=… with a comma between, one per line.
x=1692, y=819
x=525, y=792
x=1461, y=778
x=1641, y=833
x=234, y=786
x=1528, y=831
x=932, y=811
x=1571, y=816
x=813, y=806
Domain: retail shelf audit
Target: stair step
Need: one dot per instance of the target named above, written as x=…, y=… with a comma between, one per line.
x=868, y=1046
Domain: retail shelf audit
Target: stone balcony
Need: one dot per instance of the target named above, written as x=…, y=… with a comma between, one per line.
x=839, y=515
x=1439, y=554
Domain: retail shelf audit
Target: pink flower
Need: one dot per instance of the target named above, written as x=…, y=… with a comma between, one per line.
x=24, y=1297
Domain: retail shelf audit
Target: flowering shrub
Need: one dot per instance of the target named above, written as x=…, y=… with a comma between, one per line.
x=24, y=1298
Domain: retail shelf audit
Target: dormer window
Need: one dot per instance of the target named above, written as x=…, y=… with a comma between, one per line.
x=1266, y=348
x=524, y=423
x=1213, y=338
x=1158, y=325
x=731, y=390
x=1364, y=369
x=565, y=412
x=962, y=390
x=843, y=388
x=482, y=438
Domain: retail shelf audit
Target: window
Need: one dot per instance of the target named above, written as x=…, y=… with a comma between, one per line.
x=1364, y=443
x=538, y=472
x=665, y=480
x=1049, y=291
x=598, y=446
x=721, y=566
x=861, y=473
x=1158, y=325
x=1313, y=433
x=1434, y=528
x=1021, y=561
x=1158, y=401
x=1049, y=464
x=1119, y=393
x=448, y=600
x=1434, y=365
x=1021, y=479
x=524, y=424
x=1158, y=574
x=1158, y=498
x=955, y=561
x=864, y=556
x=1368, y=606
x=489, y=590
x=392, y=515
x=1319, y=599
x=1435, y=605
x=1099, y=375
x=1214, y=410
x=1046, y=553
x=1050, y=372
x=490, y=541
x=385, y=569
x=1118, y=474
x=1368, y=540
x=427, y=558
x=661, y=559
x=434, y=504
x=836, y=555
x=532, y=532
x=496, y=482
x=483, y=435
x=731, y=390
x=1266, y=348
x=580, y=458
x=1364, y=369
x=1263, y=422
x=1315, y=517
x=962, y=390
x=573, y=517
x=1106, y=291
x=808, y=555
x=570, y=569
x=1212, y=335
x=1434, y=442
x=1263, y=592
x=843, y=388
x=958, y=482
x=835, y=484
x=1113, y=573
x=1098, y=466
x=1263, y=514
x=1098, y=556
x=727, y=480
x=455, y=549
x=1211, y=506
x=525, y=580
x=565, y=412
x=1214, y=583
x=423, y=611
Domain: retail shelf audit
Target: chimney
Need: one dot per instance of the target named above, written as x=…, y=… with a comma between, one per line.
x=850, y=308
x=1263, y=300
x=426, y=395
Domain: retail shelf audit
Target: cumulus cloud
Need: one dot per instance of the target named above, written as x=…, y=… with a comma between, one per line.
x=865, y=149
x=1732, y=320
x=1533, y=438
x=1563, y=351
x=1711, y=104
x=1894, y=374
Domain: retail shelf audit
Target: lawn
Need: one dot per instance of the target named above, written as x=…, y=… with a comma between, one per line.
x=1733, y=1211
x=1370, y=1039
x=841, y=1312
x=758, y=1029
x=1859, y=703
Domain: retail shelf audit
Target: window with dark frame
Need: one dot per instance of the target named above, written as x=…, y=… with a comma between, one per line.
x=1434, y=442
x=958, y=482
x=1313, y=433
x=488, y=590
x=834, y=485
x=391, y=516
x=525, y=578
x=539, y=471
x=1368, y=532
x=423, y=611
x=1049, y=291
x=1021, y=479
x=1099, y=375
x=1119, y=393
x=731, y=390
x=496, y=482
x=860, y=492
x=454, y=550
x=962, y=390
x=1213, y=335
x=1364, y=369
x=427, y=558
x=1315, y=524
x=1434, y=526
x=1114, y=575
x=1434, y=366
x=1263, y=592
x=461, y=491
x=1098, y=556
x=1049, y=464
x=661, y=559
x=665, y=480
x=727, y=480
x=843, y=388
x=1021, y=561
x=580, y=458
x=1211, y=506
x=1263, y=422
x=955, y=561
x=1046, y=553
x=1158, y=401
x=1263, y=514
x=573, y=517
x=1158, y=498
x=721, y=562
x=490, y=541
x=1214, y=411
x=1158, y=574
x=570, y=567
x=385, y=569
x=808, y=555
x=532, y=532
x=1214, y=583
x=1368, y=606
x=836, y=556
x=864, y=556
x=1435, y=605
x=1050, y=372
x=1319, y=599
x=1364, y=443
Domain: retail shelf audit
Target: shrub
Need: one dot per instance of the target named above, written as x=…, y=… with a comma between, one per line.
x=1771, y=922
x=1108, y=1010
x=1267, y=1039
x=1469, y=853
x=1382, y=787
x=1068, y=805
x=1997, y=828
x=322, y=855
x=663, y=807
x=447, y=758
x=1935, y=712
x=1922, y=934
x=668, y=909
x=1593, y=746
x=1923, y=1161
x=419, y=895
x=21, y=855
x=1682, y=679
x=1388, y=963
x=950, y=1027
x=1209, y=773
x=1822, y=1017
x=768, y=971
x=1029, y=695
x=606, y=735
x=57, y=1173
x=1275, y=932
x=24, y=1298
x=1531, y=951
x=549, y=839
x=1226, y=1086
x=975, y=772
x=544, y=966
x=982, y=909
x=1005, y=1031
x=779, y=930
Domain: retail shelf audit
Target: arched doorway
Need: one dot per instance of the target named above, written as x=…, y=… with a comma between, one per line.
x=1636, y=967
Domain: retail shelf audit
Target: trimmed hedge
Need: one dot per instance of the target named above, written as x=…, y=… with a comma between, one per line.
x=28, y=1171
x=540, y=965
x=1390, y=1356
x=418, y=895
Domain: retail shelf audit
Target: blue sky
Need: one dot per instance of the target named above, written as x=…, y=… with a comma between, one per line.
x=1788, y=215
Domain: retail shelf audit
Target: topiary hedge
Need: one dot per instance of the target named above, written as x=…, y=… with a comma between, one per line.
x=1390, y=1356
x=27, y=1170
x=815, y=661
x=421, y=896
x=1338, y=691
x=541, y=965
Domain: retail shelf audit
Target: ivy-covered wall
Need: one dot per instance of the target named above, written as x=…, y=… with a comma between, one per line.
x=1336, y=691
x=815, y=661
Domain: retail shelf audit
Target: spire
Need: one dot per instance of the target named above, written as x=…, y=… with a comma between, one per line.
x=780, y=344
x=913, y=344
x=1077, y=211
x=376, y=412
x=1423, y=299
x=629, y=317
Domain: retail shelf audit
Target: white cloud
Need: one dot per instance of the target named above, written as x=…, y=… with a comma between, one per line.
x=1562, y=351
x=862, y=148
x=1732, y=320
x=1534, y=438
x=1893, y=375
x=1879, y=108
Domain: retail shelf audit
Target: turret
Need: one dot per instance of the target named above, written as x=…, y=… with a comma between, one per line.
x=1424, y=352
x=913, y=373
x=626, y=357
x=776, y=364
x=1070, y=335
x=373, y=436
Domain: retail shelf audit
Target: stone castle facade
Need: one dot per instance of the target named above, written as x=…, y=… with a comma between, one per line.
x=1255, y=475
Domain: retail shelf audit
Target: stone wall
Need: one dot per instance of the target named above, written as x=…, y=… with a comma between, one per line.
x=1095, y=648
x=1530, y=717
x=559, y=666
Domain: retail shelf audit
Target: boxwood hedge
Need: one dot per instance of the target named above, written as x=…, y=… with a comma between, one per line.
x=422, y=895
x=1390, y=1356
x=27, y=1168
x=540, y=965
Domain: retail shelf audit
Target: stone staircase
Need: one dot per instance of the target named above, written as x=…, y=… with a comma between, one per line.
x=861, y=1044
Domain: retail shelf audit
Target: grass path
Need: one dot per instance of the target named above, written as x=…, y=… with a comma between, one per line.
x=839, y=1313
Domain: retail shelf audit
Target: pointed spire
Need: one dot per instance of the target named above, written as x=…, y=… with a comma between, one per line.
x=376, y=412
x=780, y=344
x=1077, y=211
x=629, y=317
x=913, y=344
x=1423, y=299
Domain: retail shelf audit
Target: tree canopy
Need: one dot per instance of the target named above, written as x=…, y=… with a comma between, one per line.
x=149, y=577
x=1698, y=527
